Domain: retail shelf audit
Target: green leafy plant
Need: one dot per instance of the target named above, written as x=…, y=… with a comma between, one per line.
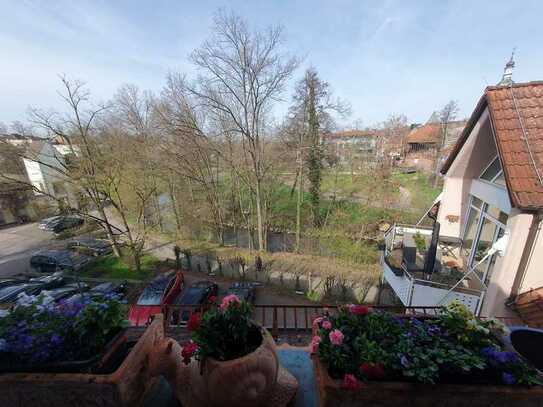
x=39, y=331
x=420, y=242
x=452, y=347
x=224, y=332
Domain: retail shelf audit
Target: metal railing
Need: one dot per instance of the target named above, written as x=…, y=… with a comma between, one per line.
x=279, y=319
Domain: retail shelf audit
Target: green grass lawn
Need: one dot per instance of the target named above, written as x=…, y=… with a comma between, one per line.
x=111, y=267
x=420, y=187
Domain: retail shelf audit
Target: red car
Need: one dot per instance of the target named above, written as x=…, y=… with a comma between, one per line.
x=161, y=291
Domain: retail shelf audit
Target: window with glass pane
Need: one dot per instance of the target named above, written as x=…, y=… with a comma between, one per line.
x=486, y=239
x=496, y=214
x=476, y=202
x=471, y=231
x=500, y=179
x=492, y=170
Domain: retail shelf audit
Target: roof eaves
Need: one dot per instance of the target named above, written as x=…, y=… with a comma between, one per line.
x=465, y=133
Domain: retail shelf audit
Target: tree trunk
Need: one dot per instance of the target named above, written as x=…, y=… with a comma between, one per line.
x=259, y=220
x=299, y=207
x=109, y=232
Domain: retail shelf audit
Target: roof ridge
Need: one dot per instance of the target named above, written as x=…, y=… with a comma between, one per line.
x=515, y=85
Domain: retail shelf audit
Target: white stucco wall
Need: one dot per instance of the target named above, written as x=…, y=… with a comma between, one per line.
x=505, y=269
x=475, y=155
x=533, y=277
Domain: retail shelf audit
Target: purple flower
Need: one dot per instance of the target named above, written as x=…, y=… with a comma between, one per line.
x=497, y=357
x=405, y=361
x=56, y=339
x=508, y=378
x=434, y=330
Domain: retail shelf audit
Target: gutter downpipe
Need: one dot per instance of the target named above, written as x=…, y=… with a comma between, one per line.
x=533, y=234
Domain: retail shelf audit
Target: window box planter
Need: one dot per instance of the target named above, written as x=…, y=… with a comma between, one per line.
x=374, y=358
x=388, y=394
x=92, y=364
x=125, y=386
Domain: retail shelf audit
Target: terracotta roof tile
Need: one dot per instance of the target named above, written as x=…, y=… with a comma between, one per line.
x=429, y=133
x=511, y=109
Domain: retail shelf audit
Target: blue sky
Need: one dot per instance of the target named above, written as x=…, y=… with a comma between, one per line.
x=383, y=57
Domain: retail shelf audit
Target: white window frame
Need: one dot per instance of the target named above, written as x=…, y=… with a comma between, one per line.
x=483, y=214
x=500, y=172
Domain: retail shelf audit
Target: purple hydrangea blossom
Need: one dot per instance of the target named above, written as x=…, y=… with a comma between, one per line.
x=405, y=361
x=508, y=378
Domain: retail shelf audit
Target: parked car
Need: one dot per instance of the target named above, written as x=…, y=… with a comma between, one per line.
x=10, y=281
x=196, y=296
x=57, y=224
x=48, y=261
x=44, y=223
x=66, y=291
x=51, y=281
x=109, y=288
x=244, y=291
x=90, y=246
x=161, y=291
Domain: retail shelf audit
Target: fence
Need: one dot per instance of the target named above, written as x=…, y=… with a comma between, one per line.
x=278, y=319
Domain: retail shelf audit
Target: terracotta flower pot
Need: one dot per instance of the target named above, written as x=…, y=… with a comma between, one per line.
x=388, y=394
x=124, y=387
x=256, y=379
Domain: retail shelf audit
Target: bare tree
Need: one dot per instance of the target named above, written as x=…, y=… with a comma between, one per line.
x=446, y=115
x=242, y=74
x=80, y=166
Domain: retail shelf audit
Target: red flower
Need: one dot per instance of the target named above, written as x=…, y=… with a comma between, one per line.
x=373, y=370
x=359, y=309
x=350, y=382
x=212, y=299
x=194, y=322
x=188, y=351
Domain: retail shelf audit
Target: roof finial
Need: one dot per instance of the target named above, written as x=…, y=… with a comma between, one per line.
x=507, y=78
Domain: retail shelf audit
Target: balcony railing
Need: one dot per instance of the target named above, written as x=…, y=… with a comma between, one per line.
x=412, y=286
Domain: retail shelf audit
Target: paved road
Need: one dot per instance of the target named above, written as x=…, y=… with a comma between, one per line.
x=17, y=245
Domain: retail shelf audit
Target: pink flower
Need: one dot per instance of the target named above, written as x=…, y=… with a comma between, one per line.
x=228, y=300
x=336, y=337
x=326, y=325
x=315, y=344
x=350, y=382
x=358, y=309
x=317, y=321
x=187, y=352
x=373, y=370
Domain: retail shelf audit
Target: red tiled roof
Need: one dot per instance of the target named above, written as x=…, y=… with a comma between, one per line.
x=429, y=133
x=521, y=152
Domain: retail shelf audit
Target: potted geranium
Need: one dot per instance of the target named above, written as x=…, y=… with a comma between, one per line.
x=230, y=361
x=379, y=359
x=71, y=353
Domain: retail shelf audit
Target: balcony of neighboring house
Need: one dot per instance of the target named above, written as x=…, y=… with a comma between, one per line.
x=419, y=277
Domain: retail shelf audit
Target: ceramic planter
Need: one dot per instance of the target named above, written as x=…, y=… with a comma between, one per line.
x=124, y=387
x=256, y=379
x=388, y=394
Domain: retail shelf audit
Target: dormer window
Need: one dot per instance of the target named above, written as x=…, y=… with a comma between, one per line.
x=494, y=172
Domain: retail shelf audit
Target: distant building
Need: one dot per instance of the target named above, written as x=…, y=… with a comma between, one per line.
x=422, y=142
x=42, y=163
x=353, y=144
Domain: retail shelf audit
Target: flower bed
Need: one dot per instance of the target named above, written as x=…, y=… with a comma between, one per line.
x=360, y=346
x=41, y=335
